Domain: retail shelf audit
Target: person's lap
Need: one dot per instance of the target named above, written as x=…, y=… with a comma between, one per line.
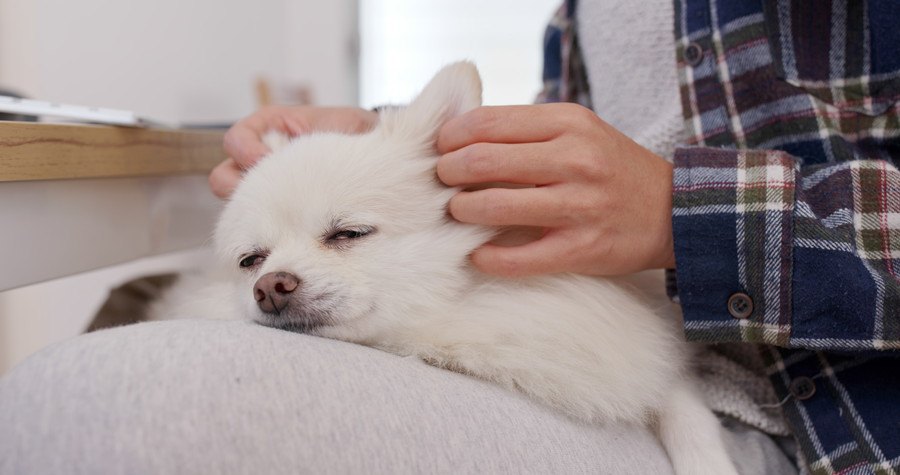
x=233, y=397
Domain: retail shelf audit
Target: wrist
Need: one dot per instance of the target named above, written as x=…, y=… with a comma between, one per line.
x=665, y=256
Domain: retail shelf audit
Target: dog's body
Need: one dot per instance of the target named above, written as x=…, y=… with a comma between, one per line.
x=347, y=237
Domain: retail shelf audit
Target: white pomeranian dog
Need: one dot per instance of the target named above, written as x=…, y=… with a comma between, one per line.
x=348, y=237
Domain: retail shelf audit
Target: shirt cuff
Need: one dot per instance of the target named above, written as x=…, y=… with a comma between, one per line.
x=732, y=224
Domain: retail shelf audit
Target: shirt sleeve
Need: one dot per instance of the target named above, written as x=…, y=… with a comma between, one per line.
x=768, y=251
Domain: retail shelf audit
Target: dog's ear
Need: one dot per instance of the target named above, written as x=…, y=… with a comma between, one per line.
x=454, y=90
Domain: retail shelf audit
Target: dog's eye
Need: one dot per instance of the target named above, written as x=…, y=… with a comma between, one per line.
x=251, y=261
x=348, y=234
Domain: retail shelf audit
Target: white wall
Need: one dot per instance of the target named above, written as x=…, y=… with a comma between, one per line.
x=175, y=60
x=321, y=49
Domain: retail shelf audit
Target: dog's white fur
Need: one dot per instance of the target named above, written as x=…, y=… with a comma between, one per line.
x=587, y=346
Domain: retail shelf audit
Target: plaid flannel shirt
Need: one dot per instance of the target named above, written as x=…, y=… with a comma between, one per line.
x=786, y=205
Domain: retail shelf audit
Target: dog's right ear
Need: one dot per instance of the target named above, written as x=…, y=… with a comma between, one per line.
x=454, y=90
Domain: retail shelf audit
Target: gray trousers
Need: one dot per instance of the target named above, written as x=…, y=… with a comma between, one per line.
x=233, y=397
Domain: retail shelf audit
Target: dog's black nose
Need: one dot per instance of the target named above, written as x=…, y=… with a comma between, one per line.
x=273, y=291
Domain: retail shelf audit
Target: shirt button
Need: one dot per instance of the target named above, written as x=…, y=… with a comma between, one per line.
x=802, y=388
x=693, y=54
x=740, y=305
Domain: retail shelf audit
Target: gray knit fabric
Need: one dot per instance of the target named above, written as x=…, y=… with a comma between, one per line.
x=220, y=397
x=628, y=49
x=733, y=382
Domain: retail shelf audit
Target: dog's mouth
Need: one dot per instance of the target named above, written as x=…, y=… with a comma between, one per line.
x=306, y=322
x=296, y=327
x=304, y=315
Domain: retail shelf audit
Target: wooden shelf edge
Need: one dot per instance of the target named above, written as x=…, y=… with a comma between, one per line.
x=39, y=151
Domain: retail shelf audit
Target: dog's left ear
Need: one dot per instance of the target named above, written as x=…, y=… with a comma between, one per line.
x=454, y=90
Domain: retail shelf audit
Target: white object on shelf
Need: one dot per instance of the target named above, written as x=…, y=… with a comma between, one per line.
x=98, y=115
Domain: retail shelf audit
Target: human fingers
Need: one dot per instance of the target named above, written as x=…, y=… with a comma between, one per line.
x=551, y=254
x=509, y=207
x=349, y=120
x=511, y=124
x=530, y=163
x=243, y=141
x=224, y=178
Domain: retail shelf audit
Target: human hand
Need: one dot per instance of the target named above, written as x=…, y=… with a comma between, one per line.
x=243, y=141
x=604, y=201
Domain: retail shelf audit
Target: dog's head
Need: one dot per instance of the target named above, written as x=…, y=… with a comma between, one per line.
x=348, y=235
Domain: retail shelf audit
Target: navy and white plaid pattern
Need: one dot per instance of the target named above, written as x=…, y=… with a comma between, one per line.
x=787, y=191
x=564, y=75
